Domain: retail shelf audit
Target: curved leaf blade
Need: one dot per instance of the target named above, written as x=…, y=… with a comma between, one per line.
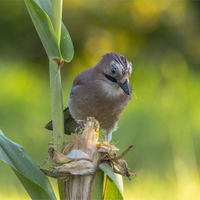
x=66, y=45
x=35, y=182
x=97, y=186
x=44, y=28
x=114, y=183
x=111, y=191
x=45, y=5
x=34, y=190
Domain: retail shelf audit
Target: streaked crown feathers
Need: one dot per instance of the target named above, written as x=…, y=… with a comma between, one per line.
x=119, y=62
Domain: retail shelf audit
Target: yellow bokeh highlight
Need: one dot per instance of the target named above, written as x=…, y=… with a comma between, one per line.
x=145, y=14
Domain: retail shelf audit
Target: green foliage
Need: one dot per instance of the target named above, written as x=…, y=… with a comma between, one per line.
x=111, y=191
x=113, y=184
x=44, y=28
x=34, y=181
x=66, y=46
x=97, y=186
x=40, y=12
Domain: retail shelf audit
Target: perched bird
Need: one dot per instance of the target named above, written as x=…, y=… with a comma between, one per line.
x=102, y=92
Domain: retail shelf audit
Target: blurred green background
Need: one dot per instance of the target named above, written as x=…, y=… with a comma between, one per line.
x=162, y=121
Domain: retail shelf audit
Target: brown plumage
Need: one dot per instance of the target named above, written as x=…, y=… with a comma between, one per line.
x=102, y=92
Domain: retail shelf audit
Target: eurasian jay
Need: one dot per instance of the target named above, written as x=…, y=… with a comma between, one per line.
x=102, y=92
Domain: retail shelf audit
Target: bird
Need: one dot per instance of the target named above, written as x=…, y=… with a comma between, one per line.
x=102, y=91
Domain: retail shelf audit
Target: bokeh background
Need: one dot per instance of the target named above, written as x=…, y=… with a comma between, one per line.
x=162, y=40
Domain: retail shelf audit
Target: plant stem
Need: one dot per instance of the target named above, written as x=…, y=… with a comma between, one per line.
x=56, y=105
x=56, y=89
x=55, y=82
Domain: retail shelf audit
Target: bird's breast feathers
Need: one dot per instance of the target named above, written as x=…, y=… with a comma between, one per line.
x=111, y=90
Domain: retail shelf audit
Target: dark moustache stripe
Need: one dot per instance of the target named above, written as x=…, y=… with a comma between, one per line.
x=111, y=78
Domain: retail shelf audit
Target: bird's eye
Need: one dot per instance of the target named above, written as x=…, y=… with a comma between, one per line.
x=113, y=71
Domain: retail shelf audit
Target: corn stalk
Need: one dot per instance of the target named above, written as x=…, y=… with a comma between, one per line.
x=82, y=163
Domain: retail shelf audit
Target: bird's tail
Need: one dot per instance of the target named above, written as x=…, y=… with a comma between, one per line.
x=69, y=123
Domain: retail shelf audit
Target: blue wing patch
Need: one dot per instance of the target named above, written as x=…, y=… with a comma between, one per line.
x=72, y=91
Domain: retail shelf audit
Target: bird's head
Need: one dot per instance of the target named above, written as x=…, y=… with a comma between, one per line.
x=117, y=69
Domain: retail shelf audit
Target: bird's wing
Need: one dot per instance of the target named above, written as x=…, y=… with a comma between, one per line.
x=78, y=81
x=69, y=123
x=82, y=78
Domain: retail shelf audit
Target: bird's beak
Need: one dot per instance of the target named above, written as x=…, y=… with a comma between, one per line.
x=124, y=85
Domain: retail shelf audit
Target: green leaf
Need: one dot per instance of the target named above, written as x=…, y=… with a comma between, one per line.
x=97, y=186
x=114, y=183
x=66, y=45
x=34, y=181
x=45, y=5
x=61, y=188
x=44, y=28
x=111, y=191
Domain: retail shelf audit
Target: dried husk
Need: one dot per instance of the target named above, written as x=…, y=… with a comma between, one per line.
x=79, y=162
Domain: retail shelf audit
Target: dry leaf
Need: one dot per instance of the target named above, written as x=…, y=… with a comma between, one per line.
x=78, y=155
x=80, y=167
x=57, y=157
x=54, y=175
x=74, y=140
